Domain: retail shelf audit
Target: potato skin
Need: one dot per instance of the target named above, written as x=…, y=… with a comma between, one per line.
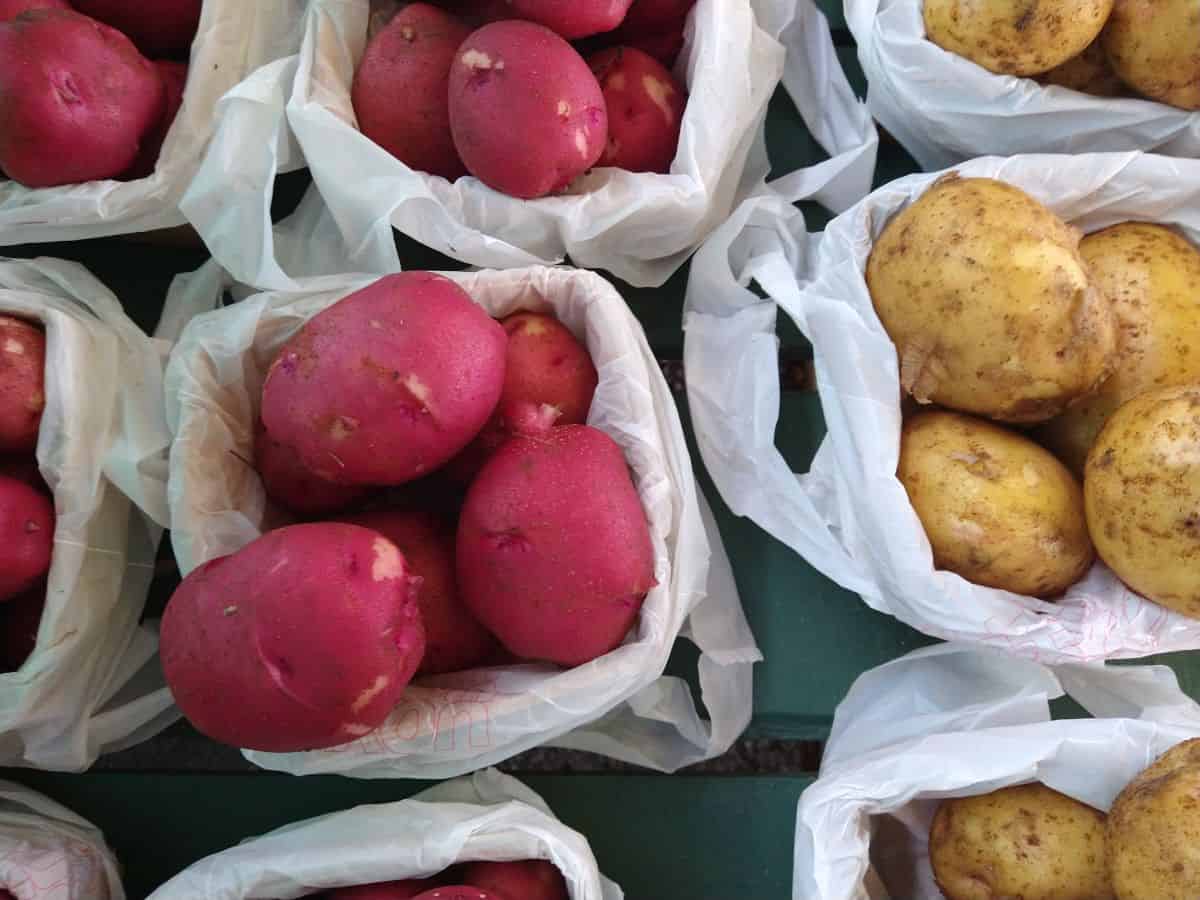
x=530, y=879
x=1150, y=274
x=645, y=110
x=1154, y=832
x=526, y=112
x=303, y=639
x=295, y=488
x=572, y=19
x=10, y=9
x=1142, y=495
x=26, y=536
x=387, y=384
x=1027, y=842
x=22, y=384
x=998, y=509
x=990, y=306
x=1153, y=47
x=165, y=28
x=1015, y=37
x=1089, y=73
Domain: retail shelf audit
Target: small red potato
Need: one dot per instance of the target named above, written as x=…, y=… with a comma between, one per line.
x=532, y=879
x=647, y=16
x=645, y=110
x=164, y=28
x=10, y=9
x=454, y=639
x=554, y=552
x=174, y=79
x=76, y=99
x=526, y=112
x=20, y=619
x=400, y=90
x=388, y=890
x=22, y=384
x=303, y=639
x=572, y=19
x=26, y=536
x=288, y=483
x=387, y=384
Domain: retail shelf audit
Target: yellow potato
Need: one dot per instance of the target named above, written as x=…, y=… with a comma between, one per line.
x=1154, y=830
x=998, y=509
x=990, y=306
x=1015, y=37
x=1154, y=46
x=1142, y=495
x=1151, y=275
x=1089, y=73
x=1027, y=842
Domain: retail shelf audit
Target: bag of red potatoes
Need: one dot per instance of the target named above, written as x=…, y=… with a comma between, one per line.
x=89, y=681
x=232, y=40
x=619, y=704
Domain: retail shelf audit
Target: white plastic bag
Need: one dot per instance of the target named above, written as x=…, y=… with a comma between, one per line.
x=641, y=227
x=620, y=705
x=235, y=38
x=944, y=108
x=488, y=817
x=952, y=721
x=849, y=516
x=48, y=852
x=92, y=684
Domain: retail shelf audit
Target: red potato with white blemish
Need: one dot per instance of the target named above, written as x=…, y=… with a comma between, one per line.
x=26, y=536
x=529, y=879
x=288, y=483
x=303, y=639
x=526, y=112
x=554, y=552
x=400, y=89
x=645, y=106
x=10, y=9
x=387, y=384
x=573, y=19
x=22, y=384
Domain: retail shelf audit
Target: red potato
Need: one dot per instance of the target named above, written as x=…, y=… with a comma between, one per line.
x=22, y=384
x=645, y=110
x=454, y=639
x=164, y=28
x=531, y=879
x=174, y=79
x=303, y=639
x=26, y=537
x=25, y=470
x=554, y=552
x=10, y=9
x=390, y=890
x=387, y=384
x=20, y=619
x=400, y=90
x=76, y=99
x=526, y=112
x=288, y=483
x=460, y=892
x=572, y=18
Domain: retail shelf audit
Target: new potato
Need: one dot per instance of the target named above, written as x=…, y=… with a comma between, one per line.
x=1154, y=46
x=1027, y=842
x=989, y=303
x=998, y=509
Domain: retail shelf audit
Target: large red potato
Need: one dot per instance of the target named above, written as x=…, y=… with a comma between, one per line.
x=645, y=110
x=400, y=90
x=76, y=99
x=389, y=890
x=572, y=18
x=387, y=384
x=20, y=619
x=454, y=639
x=10, y=9
x=295, y=488
x=531, y=879
x=174, y=79
x=526, y=112
x=303, y=639
x=22, y=384
x=554, y=553
x=164, y=28
x=26, y=536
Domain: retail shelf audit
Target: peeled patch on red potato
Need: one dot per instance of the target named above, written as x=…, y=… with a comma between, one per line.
x=22, y=384
x=554, y=552
x=76, y=99
x=303, y=639
x=387, y=384
x=645, y=110
x=526, y=112
x=389, y=890
x=572, y=18
x=10, y=9
x=165, y=28
x=20, y=619
x=454, y=639
x=287, y=482
x=400, y=89
x=532, y=879
x=174, y=79
x=26, y=536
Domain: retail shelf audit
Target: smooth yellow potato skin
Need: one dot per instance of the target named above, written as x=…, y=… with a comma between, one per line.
x=1154, y=46
x=1151, y=275
x=1142, y=495
x=1154, y=830
x=990, y=306
x=998, y=509
x=1027, y=842
x=1015, y=37
x=1089, y=73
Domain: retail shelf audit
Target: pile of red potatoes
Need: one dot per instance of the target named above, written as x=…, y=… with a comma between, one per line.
x=533, y=879
x=453, y=511
x=89, y=89
x=496, y=90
